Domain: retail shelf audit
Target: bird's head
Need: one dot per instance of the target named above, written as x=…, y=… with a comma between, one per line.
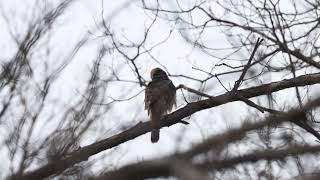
x=158, y=73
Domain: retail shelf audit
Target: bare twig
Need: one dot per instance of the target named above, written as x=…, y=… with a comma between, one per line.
x=193, y=91
x=246, y=67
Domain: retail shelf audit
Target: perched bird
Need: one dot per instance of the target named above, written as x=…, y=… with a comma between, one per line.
x=160, y=96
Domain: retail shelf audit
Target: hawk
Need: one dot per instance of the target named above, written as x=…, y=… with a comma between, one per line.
x=160, y=96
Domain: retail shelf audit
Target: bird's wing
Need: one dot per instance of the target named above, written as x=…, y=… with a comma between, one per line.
x=162, y=93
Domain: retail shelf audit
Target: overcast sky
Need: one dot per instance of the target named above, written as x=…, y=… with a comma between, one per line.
x=128, y=21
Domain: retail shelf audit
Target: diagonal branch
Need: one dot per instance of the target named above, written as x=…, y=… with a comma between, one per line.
x=247, y=66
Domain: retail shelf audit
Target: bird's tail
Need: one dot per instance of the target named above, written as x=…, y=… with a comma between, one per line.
x=155, y=124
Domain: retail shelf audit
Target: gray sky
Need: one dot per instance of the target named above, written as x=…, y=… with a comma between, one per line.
x=128, y=24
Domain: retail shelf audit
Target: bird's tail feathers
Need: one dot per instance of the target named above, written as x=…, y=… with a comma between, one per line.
x=155, y=125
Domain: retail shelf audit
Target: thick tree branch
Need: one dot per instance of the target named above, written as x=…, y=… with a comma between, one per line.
x=143, y=127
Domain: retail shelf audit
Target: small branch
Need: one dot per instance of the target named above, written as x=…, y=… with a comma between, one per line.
x=193, y=91
x=184, y=97
x=183, y=122
x=221, y=83
x=258, y=107
x=246, y=67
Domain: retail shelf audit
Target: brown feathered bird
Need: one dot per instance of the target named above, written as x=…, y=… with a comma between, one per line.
x=160, y=96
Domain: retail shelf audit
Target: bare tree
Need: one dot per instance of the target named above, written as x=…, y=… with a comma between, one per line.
x=251, y=65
